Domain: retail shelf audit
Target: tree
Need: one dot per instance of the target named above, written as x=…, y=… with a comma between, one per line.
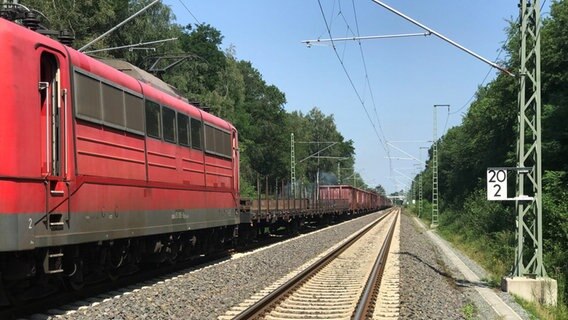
x=380, y=190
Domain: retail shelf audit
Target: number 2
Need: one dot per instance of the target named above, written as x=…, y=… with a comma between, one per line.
x=498, y=187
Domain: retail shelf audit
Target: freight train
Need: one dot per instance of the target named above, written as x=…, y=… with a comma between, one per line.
x=105, y=167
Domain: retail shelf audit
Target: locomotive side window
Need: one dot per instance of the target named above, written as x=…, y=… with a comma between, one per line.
x=113, y=106
x=169, y=124
x=217, y=141
x=183, y=129
x=88, y=95
x=196, y=130
x=209, y=138
x=153, y=119
x=101, y=101
x=134, y=111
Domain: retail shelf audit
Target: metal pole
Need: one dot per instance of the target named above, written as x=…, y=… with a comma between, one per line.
x=439, y=35
x=420, y=199
x=292, y=165
x=258, y=193
x=266, y=195
x=388, y=36
x=132, y=45
x=435, y=190
x=118, y=26
x=528, y=254
x=435, y=173
x=276, y=193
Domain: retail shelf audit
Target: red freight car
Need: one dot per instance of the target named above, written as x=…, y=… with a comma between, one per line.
x=351, y=198
x=91, y=155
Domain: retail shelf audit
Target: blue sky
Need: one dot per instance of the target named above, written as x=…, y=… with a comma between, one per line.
x=407, y=76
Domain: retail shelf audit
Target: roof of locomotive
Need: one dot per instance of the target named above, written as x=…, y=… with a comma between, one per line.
x=120, y=72
x=142, y=76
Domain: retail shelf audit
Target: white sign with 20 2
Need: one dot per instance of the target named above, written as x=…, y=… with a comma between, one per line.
x=496, y=184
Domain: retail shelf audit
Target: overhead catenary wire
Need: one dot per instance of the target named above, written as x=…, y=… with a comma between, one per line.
x=357, y=93
x=369, y=82
x=190, y=13
x=482, y=83
x=490, y=69
x=467, y=103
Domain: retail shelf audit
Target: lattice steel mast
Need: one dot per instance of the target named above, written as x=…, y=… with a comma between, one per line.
x=435, y=172
x=435, y=191
x=528, y=255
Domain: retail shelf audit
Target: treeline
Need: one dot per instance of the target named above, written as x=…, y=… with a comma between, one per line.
x=231, y=88
x=487, y=137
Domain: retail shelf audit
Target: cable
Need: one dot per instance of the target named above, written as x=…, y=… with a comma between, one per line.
x=350, y=79
x=542, y=6
x=447, y=118
x=482, y=83
x=490, y=69
x=186, y=8
x=368, y=81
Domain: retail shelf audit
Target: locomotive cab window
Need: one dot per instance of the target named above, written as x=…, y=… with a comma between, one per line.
x=183, y=129
x=169, y=124
x=153, y=120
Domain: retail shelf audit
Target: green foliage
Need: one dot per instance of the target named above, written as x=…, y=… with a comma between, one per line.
x=380, y=190
x=540, y=312
x=316, y=132
x=555, y=231
x=469, y=311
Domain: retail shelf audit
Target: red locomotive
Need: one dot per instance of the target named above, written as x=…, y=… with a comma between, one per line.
x=92, y=154
x=104, y=166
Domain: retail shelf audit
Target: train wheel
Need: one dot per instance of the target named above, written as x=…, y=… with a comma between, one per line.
x=76, y=280
x=5, y=299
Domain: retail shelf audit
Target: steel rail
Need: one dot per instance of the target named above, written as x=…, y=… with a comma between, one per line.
x=263, y=305
x=366, y=303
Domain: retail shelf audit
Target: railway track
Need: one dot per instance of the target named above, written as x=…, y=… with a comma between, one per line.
x=343, y=284
x=63, y=303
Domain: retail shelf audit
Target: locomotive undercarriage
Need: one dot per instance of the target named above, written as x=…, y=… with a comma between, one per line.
x=34, y=274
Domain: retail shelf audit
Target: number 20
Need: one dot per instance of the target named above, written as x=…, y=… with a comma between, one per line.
x=501, y=175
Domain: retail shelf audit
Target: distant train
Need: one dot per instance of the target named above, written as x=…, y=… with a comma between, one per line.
x=104, y=167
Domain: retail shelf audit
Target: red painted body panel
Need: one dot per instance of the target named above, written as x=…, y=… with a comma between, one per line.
x=101, y=169
x=106, y=152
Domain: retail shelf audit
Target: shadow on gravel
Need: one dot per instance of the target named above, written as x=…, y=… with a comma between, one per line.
x=459, y=282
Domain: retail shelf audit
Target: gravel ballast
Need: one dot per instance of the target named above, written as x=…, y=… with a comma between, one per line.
x=209, y=292
x=423, y=293
x=429, y=287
